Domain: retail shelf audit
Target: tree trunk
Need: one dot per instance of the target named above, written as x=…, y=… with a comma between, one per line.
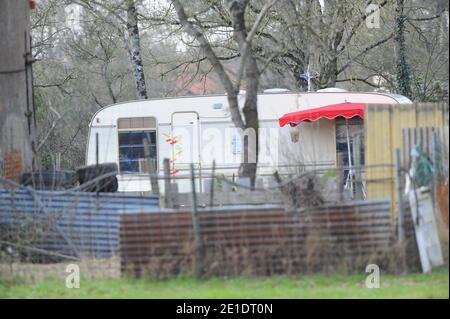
x=249, y=162
x=403, y=70
x=249, y=166
x=17, y=128
x=250, y=71
x=135, y=50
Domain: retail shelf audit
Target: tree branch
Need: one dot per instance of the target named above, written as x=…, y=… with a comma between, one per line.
x=367, y=49
x=249, y=38
x=215, y=62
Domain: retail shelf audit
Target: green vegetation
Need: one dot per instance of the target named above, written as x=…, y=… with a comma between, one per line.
x=434, y=285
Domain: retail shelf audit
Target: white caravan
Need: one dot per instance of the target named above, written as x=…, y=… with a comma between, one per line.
x=198, y=129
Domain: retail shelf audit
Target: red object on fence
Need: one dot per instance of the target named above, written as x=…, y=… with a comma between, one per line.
x=347, y=110
x=12, y=165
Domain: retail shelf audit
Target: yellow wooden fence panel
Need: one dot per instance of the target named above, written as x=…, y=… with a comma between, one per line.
x=384, y=126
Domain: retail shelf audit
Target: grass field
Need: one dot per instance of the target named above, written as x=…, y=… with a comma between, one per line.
x=434, y=285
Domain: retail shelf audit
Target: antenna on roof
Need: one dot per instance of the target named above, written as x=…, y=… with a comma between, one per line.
x=308, y=76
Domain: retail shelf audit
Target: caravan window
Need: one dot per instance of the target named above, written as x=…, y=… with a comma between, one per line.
x=132, y=132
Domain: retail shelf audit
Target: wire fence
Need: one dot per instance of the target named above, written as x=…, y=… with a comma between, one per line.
x=316, y=220
x=263, y=241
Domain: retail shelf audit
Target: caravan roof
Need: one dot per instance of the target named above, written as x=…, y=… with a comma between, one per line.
x=270, y=105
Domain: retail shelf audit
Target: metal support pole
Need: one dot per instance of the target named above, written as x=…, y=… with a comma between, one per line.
x=196, y=227
x=96, y=161
x=96, y=150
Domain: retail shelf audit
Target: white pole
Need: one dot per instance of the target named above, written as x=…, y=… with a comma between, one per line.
x=350, y=172
x=309, y=78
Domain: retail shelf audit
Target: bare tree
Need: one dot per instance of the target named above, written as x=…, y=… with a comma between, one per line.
x=403, y=70
x=310, y=35
x=300, y=35
x=248, y=71
x=423, y=51
x=135, y=49
x=117, y=10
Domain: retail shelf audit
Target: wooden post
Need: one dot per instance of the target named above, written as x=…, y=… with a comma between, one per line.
x=168, y=203
x=213, y=179
x=436, y=168
x=151, y=168
x=340, y=176
x=358, y=162
x=196, y=226
x=400, y=213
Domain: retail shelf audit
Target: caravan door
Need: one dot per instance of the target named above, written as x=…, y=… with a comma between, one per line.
x=186, y=140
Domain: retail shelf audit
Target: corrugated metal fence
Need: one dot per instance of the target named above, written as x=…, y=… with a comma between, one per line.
x=75, y=224
x=261, y=241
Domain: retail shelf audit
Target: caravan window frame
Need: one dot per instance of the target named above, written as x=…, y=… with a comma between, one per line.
x=355, y=121
x=142, y=128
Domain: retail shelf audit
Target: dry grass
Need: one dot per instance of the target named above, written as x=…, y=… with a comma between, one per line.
x=105, y=268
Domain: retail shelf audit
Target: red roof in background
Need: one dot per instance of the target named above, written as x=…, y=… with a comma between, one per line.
x=347, y=110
